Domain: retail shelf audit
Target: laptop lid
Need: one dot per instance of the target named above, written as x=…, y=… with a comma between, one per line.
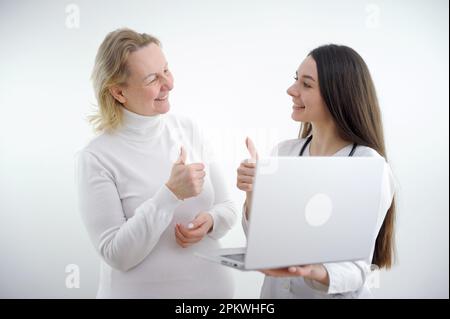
x=313, y=210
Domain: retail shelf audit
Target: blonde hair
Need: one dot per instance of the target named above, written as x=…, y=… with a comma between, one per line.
x=111, y=69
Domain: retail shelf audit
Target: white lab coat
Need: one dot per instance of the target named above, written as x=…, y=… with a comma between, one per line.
x=347, y=279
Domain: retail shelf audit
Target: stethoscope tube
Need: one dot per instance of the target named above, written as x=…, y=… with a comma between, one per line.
x=308, y=140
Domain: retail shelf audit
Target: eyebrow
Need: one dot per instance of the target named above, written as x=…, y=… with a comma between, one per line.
x=305, y=76
x=308, y=77
x=151, y=74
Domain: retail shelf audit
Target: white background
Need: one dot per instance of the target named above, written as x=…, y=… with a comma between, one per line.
x=232, y=62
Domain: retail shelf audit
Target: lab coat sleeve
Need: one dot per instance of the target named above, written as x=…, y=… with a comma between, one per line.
x=344, y=277
x=244, y=220
x=122, y=243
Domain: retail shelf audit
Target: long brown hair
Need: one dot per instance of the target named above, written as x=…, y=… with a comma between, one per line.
x=349, y=93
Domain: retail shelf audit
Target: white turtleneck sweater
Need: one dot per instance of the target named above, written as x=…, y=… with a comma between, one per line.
x=130, y=214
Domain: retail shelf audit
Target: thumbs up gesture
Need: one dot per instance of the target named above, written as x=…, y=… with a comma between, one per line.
x=247, y=169
x=186, y=180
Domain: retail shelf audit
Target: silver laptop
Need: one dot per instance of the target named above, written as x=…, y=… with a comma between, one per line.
x=308, y=210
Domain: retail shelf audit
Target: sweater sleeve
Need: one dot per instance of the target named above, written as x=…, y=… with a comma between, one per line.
x=122, y=243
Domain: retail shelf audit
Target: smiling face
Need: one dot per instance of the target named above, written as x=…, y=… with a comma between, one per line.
x=309, y=105
x=147, y=88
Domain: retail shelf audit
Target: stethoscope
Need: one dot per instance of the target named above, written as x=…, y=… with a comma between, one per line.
x=308, y=140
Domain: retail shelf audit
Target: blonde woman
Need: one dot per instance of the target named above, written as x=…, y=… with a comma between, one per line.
x=145, y=205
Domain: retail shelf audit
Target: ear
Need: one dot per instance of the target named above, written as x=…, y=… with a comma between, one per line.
x=117, y=92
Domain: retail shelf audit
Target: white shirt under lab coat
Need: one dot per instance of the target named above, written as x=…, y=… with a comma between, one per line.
x=347, y=279
x=130, y=214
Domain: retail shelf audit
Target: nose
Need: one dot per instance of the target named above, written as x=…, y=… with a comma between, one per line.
x=167, y=81
x=292, y=91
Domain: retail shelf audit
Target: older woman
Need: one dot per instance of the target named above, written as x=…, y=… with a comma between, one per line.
x=146, y=207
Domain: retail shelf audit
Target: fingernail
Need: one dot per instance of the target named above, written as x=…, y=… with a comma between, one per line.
x=190, y=226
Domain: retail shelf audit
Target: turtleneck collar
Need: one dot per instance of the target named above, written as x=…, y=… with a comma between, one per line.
x=140, y=127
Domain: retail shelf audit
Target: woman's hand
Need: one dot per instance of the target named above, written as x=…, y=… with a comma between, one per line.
x=196, y=230
x=186, y=180
x=246, y=172
x=316, y=272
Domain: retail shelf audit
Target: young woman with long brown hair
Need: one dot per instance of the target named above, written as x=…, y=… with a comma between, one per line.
x=335, y=100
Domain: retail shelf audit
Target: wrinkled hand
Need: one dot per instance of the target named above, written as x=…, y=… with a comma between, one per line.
x=196, y=230
x=186, y=180
x=316, y=272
